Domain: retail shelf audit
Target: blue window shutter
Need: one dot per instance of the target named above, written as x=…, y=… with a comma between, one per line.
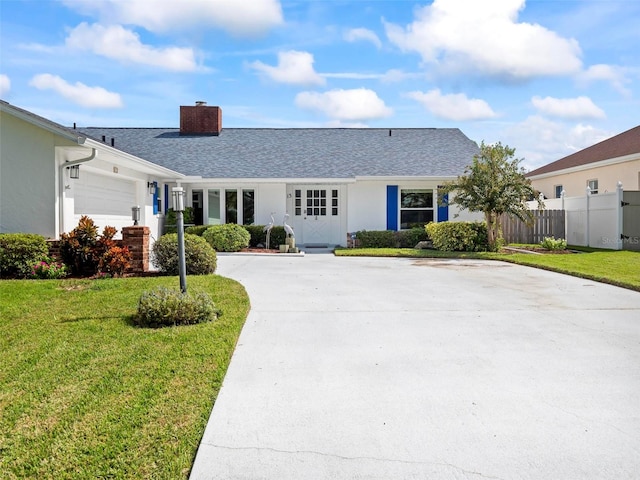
x=392, y=207
x=155, y=198
x=443, y=210
x=166, y=198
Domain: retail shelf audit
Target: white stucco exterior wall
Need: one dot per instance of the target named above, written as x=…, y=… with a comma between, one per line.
x=28, y=177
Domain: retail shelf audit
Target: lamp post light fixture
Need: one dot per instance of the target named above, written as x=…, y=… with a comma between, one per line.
x=74, y=171
x=135, y=214
x=177, y=194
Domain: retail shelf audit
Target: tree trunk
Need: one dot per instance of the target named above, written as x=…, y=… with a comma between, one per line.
x=494, y=230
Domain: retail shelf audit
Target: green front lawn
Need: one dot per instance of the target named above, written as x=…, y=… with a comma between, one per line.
x=620, y=268
x=84, y=394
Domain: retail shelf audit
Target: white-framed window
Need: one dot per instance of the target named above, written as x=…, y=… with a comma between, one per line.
x=593, y=185
x=230, y=205
x=416, y=207
x=558, y=191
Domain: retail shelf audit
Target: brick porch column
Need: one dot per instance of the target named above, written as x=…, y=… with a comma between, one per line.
x=136, y=238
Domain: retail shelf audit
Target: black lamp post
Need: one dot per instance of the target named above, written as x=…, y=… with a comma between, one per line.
x=177, y=194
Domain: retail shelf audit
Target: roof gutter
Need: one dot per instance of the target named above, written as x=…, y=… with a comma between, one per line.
x=94, y=154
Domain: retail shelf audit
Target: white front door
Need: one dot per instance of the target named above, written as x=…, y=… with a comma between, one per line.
x=317, y=214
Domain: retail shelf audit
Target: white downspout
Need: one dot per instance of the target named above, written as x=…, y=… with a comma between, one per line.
x=94, y=154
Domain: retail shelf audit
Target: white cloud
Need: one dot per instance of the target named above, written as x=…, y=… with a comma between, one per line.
x=358, y=34
x=120, y=44
x=486, y=38
x=541, y=141
x=237, y=18
x=572, y=108
x=345, y=105
x=79, y=93
x=5, y=84
x=453, y=106
x=607, y=73
x=295, y=68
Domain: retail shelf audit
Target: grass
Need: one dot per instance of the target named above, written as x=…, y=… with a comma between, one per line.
x=85, y=394
x=621, y=268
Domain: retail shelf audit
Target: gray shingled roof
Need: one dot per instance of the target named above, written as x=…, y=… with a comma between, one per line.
x=299, y=153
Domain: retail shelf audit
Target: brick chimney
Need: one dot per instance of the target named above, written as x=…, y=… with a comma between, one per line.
x=200, y=120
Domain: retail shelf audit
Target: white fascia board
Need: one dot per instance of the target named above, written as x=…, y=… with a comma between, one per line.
x=588, y=166
x=125, y=159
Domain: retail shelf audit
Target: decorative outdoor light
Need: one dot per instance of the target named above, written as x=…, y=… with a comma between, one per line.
x=74, y=171
x=135, y=214
x=177, y=194
x=151, y=186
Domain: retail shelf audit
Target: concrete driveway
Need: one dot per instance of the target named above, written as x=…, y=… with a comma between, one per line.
x=374, y=368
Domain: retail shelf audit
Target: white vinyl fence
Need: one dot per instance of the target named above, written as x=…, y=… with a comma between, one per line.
x=591, y=220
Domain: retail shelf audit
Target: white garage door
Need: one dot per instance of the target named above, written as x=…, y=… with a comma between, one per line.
x=97, y=195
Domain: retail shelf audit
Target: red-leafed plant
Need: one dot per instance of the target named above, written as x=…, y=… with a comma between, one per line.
x=86, y=253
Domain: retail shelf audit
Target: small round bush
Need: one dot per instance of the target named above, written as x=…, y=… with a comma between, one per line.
x=19, y=252
x=458, y=236
x=200, y=258
x=553, y=244
x=164, y=307
x=227, y=238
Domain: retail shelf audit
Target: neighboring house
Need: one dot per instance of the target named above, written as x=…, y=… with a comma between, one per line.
x=599, y=167
x=330, y=181
x=38, y=194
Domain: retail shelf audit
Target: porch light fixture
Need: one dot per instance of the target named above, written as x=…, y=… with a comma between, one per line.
x=177, y=195
x=135, y=214
x=151, y=186
x=74, y=171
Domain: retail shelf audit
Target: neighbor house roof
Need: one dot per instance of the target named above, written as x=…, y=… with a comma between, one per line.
x=626, y=143
x=300, y=153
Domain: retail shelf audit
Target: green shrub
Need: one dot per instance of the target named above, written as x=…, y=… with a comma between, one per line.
x=170, y=220
x=458, y=236
x=227, y=238
x=19, y=252
x=551, y=243
x=376, y=239
x=163, y=307
x=259, y=236
x=200, y=258
x=196, y=229
x=410, y=238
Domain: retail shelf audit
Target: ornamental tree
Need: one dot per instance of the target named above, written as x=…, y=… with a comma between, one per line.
x=493, y=184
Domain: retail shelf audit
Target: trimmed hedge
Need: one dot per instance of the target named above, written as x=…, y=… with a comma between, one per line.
x=170, y=220
x=259, y=236
x=459, y=236
x=200, y=258
x=229, y=237
x=196, y=229
x=390, y=238
x=410, y=238
x=19, y=252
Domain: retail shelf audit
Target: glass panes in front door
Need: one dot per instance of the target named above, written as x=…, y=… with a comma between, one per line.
x=316, y=202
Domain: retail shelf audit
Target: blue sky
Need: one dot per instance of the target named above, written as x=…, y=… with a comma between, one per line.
x=547, y=77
